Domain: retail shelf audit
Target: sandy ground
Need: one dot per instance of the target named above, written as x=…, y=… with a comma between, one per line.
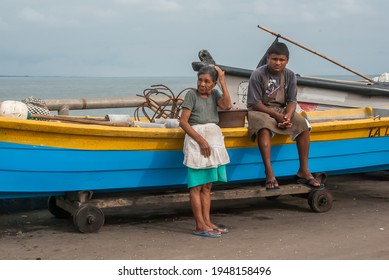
x=357, y=227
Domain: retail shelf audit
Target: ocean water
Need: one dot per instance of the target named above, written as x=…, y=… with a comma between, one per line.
x=19, y=88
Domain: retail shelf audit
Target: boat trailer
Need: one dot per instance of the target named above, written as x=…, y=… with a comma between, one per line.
x=85, y=208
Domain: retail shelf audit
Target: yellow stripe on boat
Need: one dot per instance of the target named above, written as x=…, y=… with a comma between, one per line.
x=333, y=125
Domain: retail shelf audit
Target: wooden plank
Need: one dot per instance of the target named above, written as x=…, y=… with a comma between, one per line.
x=80, y=120
x=245, y=192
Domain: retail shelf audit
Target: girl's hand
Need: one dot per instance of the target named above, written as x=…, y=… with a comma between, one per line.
x=220, y=72
x=205, y=149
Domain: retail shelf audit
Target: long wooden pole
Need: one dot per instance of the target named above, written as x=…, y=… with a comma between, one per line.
x=80, y=120
x=312, y=51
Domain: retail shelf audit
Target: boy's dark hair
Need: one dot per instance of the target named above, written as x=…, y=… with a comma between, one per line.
x=278, y=48
x=208, y=69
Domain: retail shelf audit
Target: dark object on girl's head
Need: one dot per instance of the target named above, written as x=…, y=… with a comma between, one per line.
x=206, y=57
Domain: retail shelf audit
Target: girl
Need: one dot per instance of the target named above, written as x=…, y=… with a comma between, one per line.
x=204, y=152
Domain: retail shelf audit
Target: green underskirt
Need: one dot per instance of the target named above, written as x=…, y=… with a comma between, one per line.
x=198, y=177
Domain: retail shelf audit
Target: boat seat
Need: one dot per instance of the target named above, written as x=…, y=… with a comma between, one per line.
x=381, y=112
x=339, y=115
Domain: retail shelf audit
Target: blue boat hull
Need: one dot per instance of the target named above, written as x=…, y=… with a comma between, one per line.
x=34, y=171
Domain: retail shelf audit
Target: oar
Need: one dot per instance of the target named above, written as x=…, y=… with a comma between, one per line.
x=312, y=51
x=80, y=120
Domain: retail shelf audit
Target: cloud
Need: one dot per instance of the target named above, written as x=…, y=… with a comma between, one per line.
x=311, y=11
x=34, y=16
x=30, y=14
x=164, y=36
x=209, y=6
x=151, y=5
x=3, y=23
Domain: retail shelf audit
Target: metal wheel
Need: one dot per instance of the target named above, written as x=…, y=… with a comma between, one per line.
x=55, y=210
x=88, y=219
x=320, y=200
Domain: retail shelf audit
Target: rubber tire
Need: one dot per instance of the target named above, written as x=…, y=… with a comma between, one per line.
x=320, y=200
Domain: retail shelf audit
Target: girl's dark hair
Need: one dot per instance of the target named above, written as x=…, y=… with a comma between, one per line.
x=278, y=48
x=209, y=70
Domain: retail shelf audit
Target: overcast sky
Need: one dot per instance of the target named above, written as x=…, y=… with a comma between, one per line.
x=119, y=38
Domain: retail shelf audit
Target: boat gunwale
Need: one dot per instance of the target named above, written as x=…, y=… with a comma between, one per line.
x=99, y=130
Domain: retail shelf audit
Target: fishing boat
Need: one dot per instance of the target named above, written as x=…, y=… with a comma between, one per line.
x=58, y=158
x=42, y=158
x=313, y=93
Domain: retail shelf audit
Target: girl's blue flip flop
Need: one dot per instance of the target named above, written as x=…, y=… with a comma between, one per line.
x=207, y=233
